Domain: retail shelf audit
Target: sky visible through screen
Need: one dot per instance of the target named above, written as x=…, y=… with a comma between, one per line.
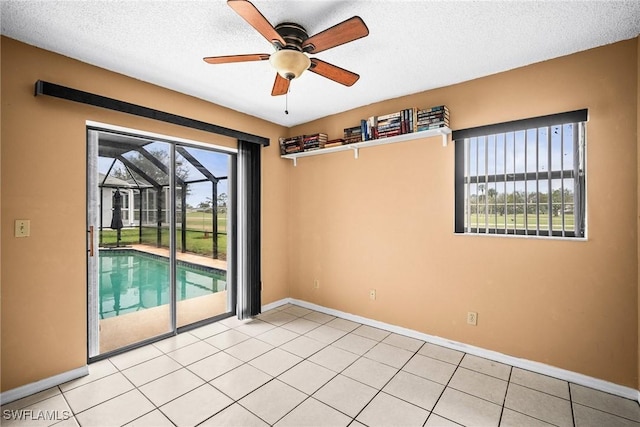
x=216, y=162
x=524, y=179
x=521, y=152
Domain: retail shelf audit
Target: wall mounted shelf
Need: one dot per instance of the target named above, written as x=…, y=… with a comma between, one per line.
x=443, y=132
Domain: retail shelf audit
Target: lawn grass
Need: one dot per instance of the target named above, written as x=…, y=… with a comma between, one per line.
x=518, y=221
x=199, y=239
x=203, y=221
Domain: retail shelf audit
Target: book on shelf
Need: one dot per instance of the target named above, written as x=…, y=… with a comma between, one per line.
x=352, y=130
x=395, y=115
x=432, y=126
x=300, y=143
x=333, y=143
x=408, y=120
x=291, y=145
x=387, y=126
x=314, y=141
x=432, y=118
x=444, y=111
x=365, y=130
x=352, y=134
x=435, y=109
x=435, y=118
x=389, y=133
x=397, y=123
x=436, y=123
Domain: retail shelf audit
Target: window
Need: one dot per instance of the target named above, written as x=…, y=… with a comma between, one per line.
x=525, y=177
x=125, y=207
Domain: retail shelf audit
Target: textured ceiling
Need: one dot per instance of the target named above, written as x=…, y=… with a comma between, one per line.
x=412, y=46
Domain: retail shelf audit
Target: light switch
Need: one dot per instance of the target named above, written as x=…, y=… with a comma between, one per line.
x=23, y=227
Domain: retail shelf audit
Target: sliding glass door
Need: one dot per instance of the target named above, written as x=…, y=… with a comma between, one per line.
x=202, y=198
x=158, y=249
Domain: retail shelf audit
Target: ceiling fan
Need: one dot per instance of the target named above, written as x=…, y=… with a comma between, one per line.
x=291, y=43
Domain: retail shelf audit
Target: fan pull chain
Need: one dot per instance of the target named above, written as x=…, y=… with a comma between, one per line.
x=286, y=102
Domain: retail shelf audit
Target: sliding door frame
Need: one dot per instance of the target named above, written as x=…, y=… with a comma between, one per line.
x=93, y=140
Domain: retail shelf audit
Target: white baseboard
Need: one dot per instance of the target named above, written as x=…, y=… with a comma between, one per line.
x=275, y=304
x=41, y=385
x=529, y=365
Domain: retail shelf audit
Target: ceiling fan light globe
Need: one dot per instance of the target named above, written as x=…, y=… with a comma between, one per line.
x=290, y=64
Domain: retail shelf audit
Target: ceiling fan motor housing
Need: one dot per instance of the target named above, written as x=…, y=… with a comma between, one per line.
x=293, y=34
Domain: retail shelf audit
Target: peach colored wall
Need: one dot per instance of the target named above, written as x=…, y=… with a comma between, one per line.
x=385, y=222
x=578, y=313
x=43, y=179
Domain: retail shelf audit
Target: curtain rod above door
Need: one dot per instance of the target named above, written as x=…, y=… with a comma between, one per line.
x=58, y=91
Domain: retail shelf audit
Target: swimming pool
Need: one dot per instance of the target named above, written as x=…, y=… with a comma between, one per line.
x=132, y=280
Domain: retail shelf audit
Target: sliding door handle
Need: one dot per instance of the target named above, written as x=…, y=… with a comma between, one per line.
x=91, y=249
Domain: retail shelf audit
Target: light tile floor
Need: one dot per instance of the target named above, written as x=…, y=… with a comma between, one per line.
x=295, y=367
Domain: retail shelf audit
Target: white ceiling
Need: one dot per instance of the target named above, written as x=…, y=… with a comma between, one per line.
x=412, y=46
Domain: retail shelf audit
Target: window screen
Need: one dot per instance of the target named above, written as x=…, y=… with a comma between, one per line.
x=525, y=177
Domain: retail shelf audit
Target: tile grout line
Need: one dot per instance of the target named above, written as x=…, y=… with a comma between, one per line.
x=274, y=377
x=309, y=396
x=390, y=379
x=103, y=401
x=504, y=399
x=597, y=409
x=445, y=389
x=545, y=393
x=509, y=382
x=73, y=415
x=156, y=407
x=573, y=415
x=233, y=400
x=306, y=359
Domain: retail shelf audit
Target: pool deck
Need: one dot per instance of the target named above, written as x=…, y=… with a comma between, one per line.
x=119, y=331
x=186, y=257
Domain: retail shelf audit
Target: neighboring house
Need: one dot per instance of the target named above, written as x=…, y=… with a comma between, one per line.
x=130, y=202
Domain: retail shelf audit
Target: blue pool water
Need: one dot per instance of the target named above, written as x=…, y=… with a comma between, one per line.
x=131, y=280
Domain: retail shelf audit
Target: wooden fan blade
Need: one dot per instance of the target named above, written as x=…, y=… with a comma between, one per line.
x=280, y=86
x=252, y=15
x=236, y=58
x=333, y=72
x=344, y=32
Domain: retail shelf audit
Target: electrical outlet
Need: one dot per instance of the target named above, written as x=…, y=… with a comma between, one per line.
x=316, y=284
x=472, y=318
x=372, y=294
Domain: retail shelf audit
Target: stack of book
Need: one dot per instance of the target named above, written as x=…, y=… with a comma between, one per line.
x=314, y=141
x=393, y=124
x=432, y=118
x=333, y=143
x=388, y=125
x=291, y=145
x=353, y=134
